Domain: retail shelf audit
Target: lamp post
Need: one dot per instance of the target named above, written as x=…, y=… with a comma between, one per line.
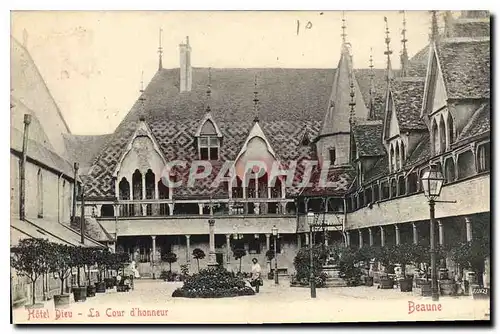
x=310, y=221
x=432, y=181
x=275, y=236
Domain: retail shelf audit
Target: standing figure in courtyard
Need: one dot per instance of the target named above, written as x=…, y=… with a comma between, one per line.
x=256, y=279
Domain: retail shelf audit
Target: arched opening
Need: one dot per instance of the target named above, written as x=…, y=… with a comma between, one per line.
x=63, y=201
x=442, y=135
x=349, y=204
x=163, y=193
x=401, y=186
x=335, y=205
x=107, y=210
x=316, y=205
x=449, y=170
x=393, y=158
x=412, y=183
x=375, y=193
x=361, y=198
x=39, y=193
x=291, y=208
x=263, y=192
x=466, y=165
x=150, y=191
x=403, y=155
x=385, y=189
x=484, y=157
x=435, y=136
x=354, y=204
x=394, y=188
x=236, y=188
x=124, y=187
x=368, y=195
x=450, y=129
x=276, y=192
x=137, y=192
x=398, y=158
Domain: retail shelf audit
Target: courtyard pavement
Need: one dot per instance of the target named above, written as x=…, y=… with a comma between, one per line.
x=274, y=304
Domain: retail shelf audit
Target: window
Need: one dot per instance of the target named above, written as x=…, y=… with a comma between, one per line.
x=39, y=194
x=333, y=156
x=385, y=189
x=450, y=130
x=393, y=159
x=449, y=170
x=435, y=136
x=442, y=135
x=484, y=157
x=375, y=193
x=209, y=148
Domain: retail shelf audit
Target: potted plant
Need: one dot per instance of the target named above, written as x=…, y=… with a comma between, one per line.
x=89, y=260
x=60, y=264
x=198, y=254
x=238, y=254
x=77, y=261
x=385, y=257
x=349, y=270
x=102, y=259
x=471, y=255
x=365, y=255
x=270, y=257
x=404, y=254
x=170, y=258
x=31, y=258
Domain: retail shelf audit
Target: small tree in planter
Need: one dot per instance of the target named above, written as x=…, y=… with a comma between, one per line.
x=471, y=255
x=31, y=258
x=270, y=257
x=77, y=257
x=89, y=257
x=60, y=264
x=238, y=254
x=348, y=270
x=384, y=255
x=404, y=254
x=302, y=264
x=170, y=258
x=198, y=254
x=103, y=261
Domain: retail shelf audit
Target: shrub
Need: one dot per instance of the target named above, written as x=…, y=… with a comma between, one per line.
x=471, y=255
x=348, y=270
x=198, y=254
x=213, y=283
x=170, y=258
x=302, y=262
x=168, y=276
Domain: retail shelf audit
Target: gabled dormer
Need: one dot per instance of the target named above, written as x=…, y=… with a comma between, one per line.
x=208, y=139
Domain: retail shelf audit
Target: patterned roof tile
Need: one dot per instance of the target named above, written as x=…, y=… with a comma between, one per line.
x=368, y=138
x=407, y=96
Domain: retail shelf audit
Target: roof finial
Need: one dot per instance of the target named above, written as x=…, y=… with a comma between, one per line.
x=352, y=104
x=160, y=52
x=255, y=100
x=142, y=99
x=209, y=87
x=434, y=26
x=388, y=51
x=404, y=51
x=344, y=35
x=371, y=115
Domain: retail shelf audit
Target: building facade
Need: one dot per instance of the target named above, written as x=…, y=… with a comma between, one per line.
x=350, y=144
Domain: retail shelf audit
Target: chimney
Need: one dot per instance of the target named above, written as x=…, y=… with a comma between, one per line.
x=186, y=74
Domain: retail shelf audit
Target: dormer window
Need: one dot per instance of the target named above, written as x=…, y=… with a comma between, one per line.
x=209, y=139
x=209, y=147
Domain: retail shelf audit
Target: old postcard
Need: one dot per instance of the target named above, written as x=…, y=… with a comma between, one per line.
x=250, y=167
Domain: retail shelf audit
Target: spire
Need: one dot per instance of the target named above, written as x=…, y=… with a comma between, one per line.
x=404, y=51
x=371, y=114
x=160, y=52
x=388, y=52
x=142, y=114
x=255, y=100
x=209, y=89
x=434, y=26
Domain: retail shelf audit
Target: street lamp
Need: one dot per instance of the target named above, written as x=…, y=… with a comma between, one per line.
x=310, y=222
x=432, y=181
x=275, y=236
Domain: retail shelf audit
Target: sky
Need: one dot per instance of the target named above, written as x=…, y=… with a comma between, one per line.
x=93, y=61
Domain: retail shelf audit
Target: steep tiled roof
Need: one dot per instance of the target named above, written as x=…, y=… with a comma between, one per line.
x=290, y=99
x=479, y=123
x=341, y=178
x=368, y=138
x=465, y=64
x=471, y=28
x=407, y=95
x=421, y=152
x=84, y=149
x=380, y=168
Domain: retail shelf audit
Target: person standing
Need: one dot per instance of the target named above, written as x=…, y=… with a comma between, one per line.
x=256, y=279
